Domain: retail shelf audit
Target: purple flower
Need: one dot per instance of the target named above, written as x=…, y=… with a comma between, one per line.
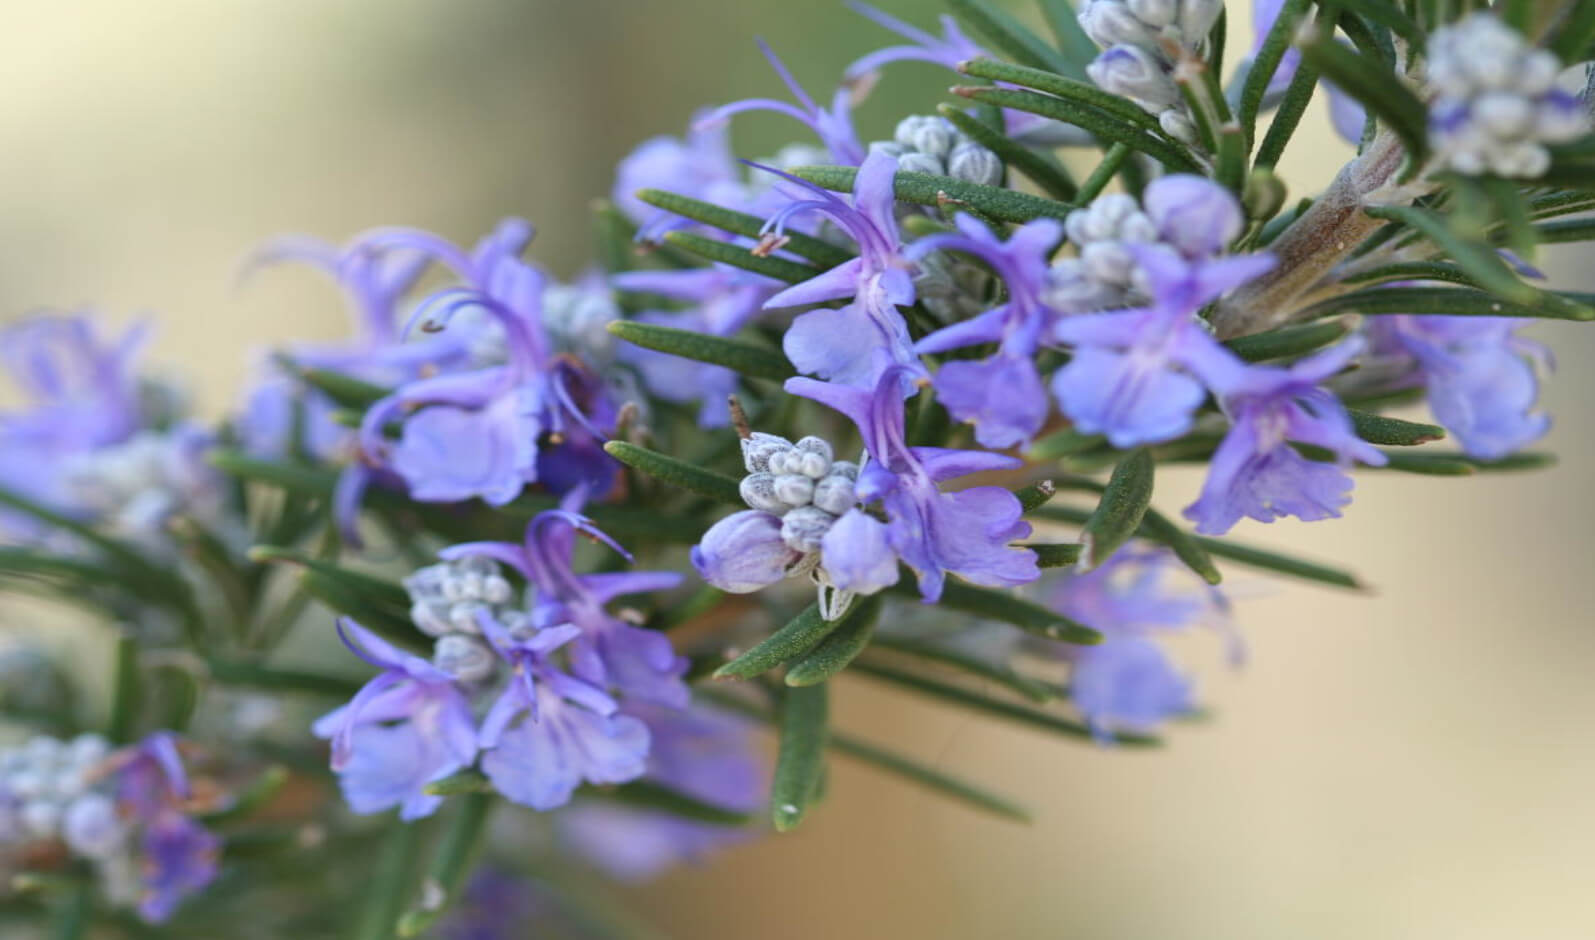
x=723, y=300
x=1136, y=375
x=699, y=166
x=1345, y=112
x=481, y=433
x=949, y=50
x=966, y=533
x=745, y=552
x=833, y=126
x=1127, y=684
x=1137, y=591
x=855, y=344
x=548, y=731
x=1001, y=395
x=1479, y=375
x=608, y=652
x=178, y=857
x=406, y=728
x=1255, y=472
x=495, y=906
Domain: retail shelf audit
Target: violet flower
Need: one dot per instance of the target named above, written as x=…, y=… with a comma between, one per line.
x=699, y=165
x=409, y=726
x=966, y=533
x=1127, y=684
x=1255, y=472
x=482, y=433
x=1137, y=376
x=1479, y=375
x=1001, y=395
x=853, y=345
x=176, y=855
x=608, y=652
x=948, y=50
x=833, y=125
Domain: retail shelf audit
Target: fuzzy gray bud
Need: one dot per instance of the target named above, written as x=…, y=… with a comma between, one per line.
x=794, y=489
x=802, y=529
x=921, y=163
x=927, y=134
x=758, y=491
x=759, y=447
x=975, y=164
x=834, y=494
x=465, y=658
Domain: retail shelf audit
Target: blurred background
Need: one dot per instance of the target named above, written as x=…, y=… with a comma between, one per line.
x=1411, y=763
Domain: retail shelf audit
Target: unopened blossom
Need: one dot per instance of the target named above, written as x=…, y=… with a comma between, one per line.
x=1256, y=472
x=929, y=143
x=1137, y=376
x=447, y=597
x=1496, y=103
x=1478, y=373
x=833, y=125
x=1148, y=23
x=1001, y=395
x=489, y=432
x=134, y=488
x=854, y=344
x=607, y=652
x=409, y=726
x=967, y=533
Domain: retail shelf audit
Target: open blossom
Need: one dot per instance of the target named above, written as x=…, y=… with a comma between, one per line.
x=490, y=431
x=699, y=165
x=967, y=533
x=948, y=50
x=175, y=855
x=606, y=652
x=1479, y=375
x=409, y=726
x=853, y=344
x=1128, y=684
x=1001, y=395
x=833, y=125
x=1137, y=376
x=1255, y=471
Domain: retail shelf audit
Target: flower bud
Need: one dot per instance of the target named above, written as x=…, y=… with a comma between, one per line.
x=975, y=164
x=91, y=828
x=1134, y=73
x=794, y=489
x=816, y=445
x=1155, y=13
x=758, y=491
x=1178, y=125
x=759, y=447
x=744, y=552
x=921, y=163
x=1111, y=23
x=814, y=466
x=927, y=134
x=465, y=658
x=802, y=529
x=834, y=494
x=1194, y=214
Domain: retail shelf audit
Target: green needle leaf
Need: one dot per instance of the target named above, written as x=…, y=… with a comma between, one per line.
x=1057, y=85
x=1449, y=301
x=250, y=675
x=390, y=876
x=928, y=189
x=802, y=634
x=1012, y=38
x=1036, y=495
x=645, y=794
x=675, y=472
x=822, y=253
x=1481, y=262
x=345, y=391
x=266, y=785
x=1050, y=176
x=1286, y=343
x=1009, y=608
x=1064, y=22
x=841, y=647
x=745, y=358
x=1056, y=556
x=999, y=673
x=123, y=724
x=740, y=257
x=1106, y=125
x=1378, y=429
x=1064, y=444
x=449, y=867
x=1122, y=507
x=1374, y=84
x=1157, y=527
x=1260, y=74
x=801, y=758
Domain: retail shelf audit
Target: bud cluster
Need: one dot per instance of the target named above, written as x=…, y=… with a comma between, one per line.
x=48, y=792
x=931, y=144
x=1496, y=103
x=136, y=486
x=1143, y=40
x=447, y=600
x=799, y=483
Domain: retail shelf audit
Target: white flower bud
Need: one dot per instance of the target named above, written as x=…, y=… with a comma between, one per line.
x=465, y=658
x=1178, y=125
x=889, y=147
x=1155, y=13
x=975, y=164
x=91, y=828
x=1136, y=74
x=844, y=468
x=1111, y=23
x=794, y=489
x=816, y=445
x=1503, y=114
x=921, y=163
x=89, y=749
x=41, y=818
x=1108, y=262
x=1196, y=20
x=758, y=491
x=802, y=529
x=928, y=134
x=834, y=494
x=759, y=447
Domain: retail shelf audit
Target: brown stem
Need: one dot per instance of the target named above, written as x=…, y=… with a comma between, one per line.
x=1309, y=247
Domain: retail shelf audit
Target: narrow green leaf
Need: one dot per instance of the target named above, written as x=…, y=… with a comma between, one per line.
x=256, y=794
x=800, y=635
x=1448, y=301
x=742, y=357
x=614, y=238
x=292, y=477
x=1287, y=342
x=74, y=912
x=1119, y=513
x=974, y=665
x=1389, y=15
x=390, y=877
x=1036, y=495
x=1227, y=548
x=1064, y=444
x=1009, y=711
x=1103, y=124
x=346, y=391
x=1008, y=608
x=1414, y=271
x=1571, y=40
x=1261, y=71
x=1567, y=230
x=450, y=865
x=1378, y=429
x=739, y=257
x=1083, y=92
x=841, y=647
x=341, y=597
x=175, y=691
x=676, y=473
x=122, y=725
x=1377, y=87
x=249, y=675
x=822, y=253
x=1298, y=94
x=1436, y=465
x=927, y=189
x=1482, y=263
x=1072, y=41
x=1157, y=527
x=1011, y=37
x=1112, y=160
x=1060, y=555
x=805, y=729
x=645, y=794
x=1049, y=175
x=466, y=781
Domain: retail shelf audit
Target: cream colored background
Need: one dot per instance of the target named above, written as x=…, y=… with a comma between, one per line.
x=1413, y=764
